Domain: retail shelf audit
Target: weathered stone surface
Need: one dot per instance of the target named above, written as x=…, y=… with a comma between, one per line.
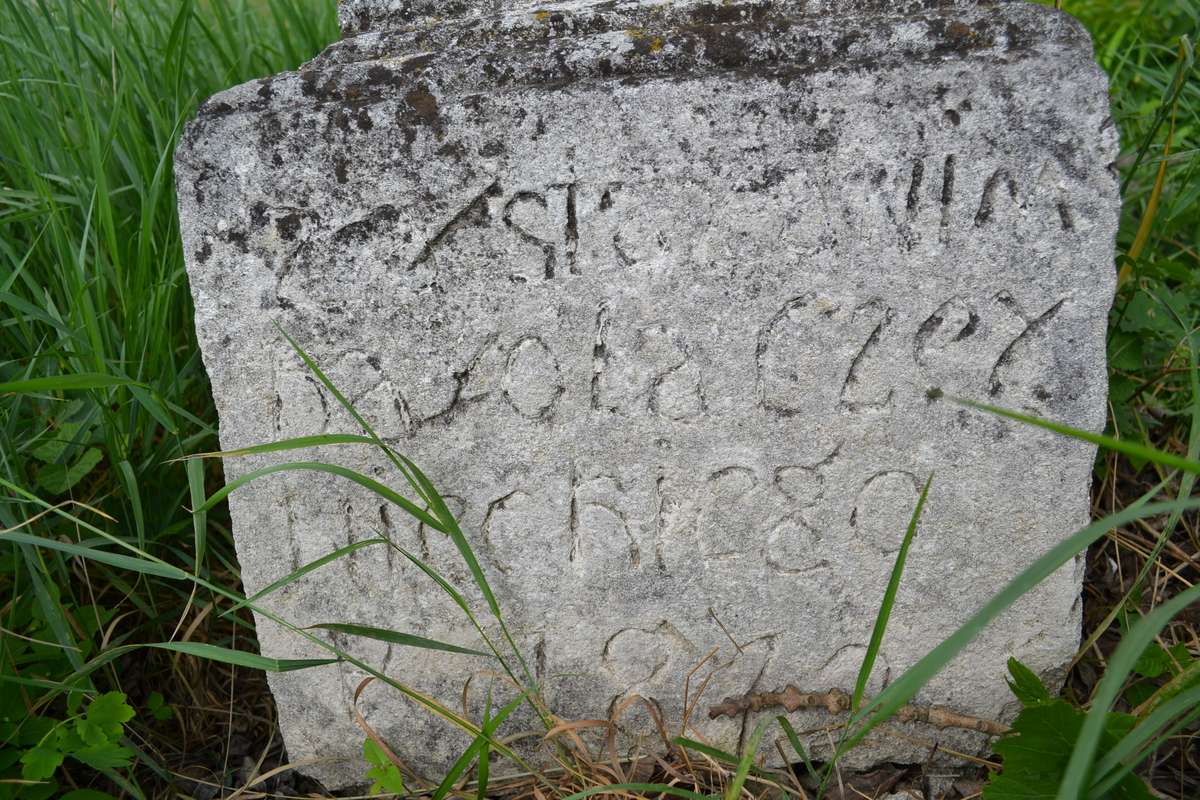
x=655, y=294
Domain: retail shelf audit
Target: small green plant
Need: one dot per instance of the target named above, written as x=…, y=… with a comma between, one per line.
x=92, y=736
x=1039, y=745
x=384, y=775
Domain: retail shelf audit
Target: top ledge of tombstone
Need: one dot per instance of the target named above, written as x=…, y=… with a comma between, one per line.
x=375, y=16
x=438, y=46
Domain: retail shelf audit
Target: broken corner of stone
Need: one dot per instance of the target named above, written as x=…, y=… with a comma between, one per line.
x=669, y=300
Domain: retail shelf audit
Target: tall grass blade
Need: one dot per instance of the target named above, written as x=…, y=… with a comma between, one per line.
x=1133, y=449
x=794, y=739
x=195, y=476
x=52, y=611
x=889, y=600
x=54, y=383
x=1120, y=664
x=460, y=601
x=477, y=749
x=646, y=790
x=241, y=658
x=447, y=523
x=134, y=495
x=734, y=792
x=1128, y=753
x=130, y=563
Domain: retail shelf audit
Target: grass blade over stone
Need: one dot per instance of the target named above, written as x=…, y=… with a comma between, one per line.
x=1122, y=446
x=396, y=637
x=882, y=707
x=296, y=575
x=296, y=443
x=446, y=522
x=889, y=600
x=333, y=469
x=747, y=760
x=794, y=739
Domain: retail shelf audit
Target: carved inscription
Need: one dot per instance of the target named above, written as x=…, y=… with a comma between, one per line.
x=570, y=228
x=815, y=355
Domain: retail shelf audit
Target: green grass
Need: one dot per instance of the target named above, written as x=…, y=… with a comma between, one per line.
x=96, y=326
x=101, y=384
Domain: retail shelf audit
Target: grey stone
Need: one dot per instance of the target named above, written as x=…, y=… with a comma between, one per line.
x=656, y=293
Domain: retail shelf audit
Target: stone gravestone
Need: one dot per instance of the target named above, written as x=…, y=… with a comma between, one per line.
x=656, y=293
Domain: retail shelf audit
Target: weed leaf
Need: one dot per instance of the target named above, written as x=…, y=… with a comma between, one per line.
x=1026, y=686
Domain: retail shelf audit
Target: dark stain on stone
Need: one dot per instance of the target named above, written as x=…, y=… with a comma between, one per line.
x=379, y=74
x=723, y=14
x=277, y=159
x=424, y=104
x=492, y=148
x=288, y=226
x=198, y=185
x=204, y=253
x=453, y=151
x=846, y=41
x=954, y=36
x=952, y=117
x=417, y=64
x=361, y=231
x=340, y=169
x=825, y=140
x=264, y=90
x=238, y=239
x=960, y=32
x=258, y=214
x=308, y=83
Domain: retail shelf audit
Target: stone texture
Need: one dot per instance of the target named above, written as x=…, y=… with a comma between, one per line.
x=655, y=294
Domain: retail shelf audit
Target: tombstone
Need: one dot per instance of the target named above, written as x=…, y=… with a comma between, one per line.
x=656, y=294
